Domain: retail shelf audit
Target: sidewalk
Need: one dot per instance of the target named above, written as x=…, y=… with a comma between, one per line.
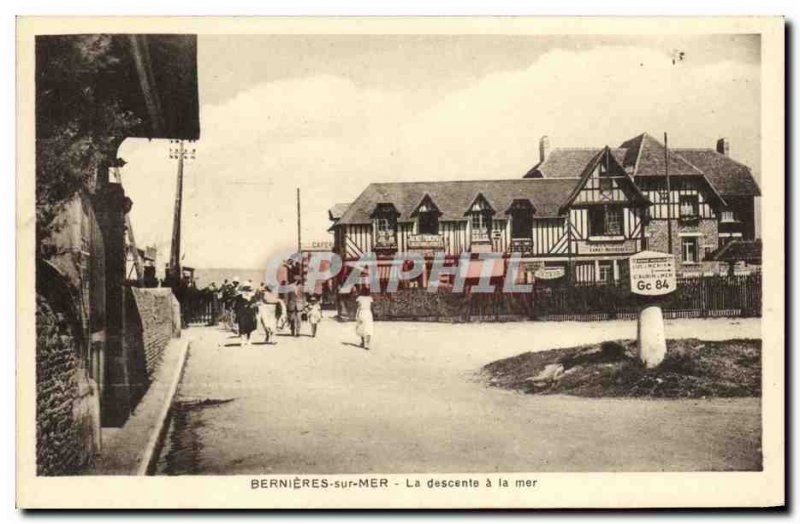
x=132, y=449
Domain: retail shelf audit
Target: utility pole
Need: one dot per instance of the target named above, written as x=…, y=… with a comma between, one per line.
x=669, y=196
x=181, y=154
x=299, y=238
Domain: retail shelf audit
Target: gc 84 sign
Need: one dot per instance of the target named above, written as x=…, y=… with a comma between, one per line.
x=652, y=273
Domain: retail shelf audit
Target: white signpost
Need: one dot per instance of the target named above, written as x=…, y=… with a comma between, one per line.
x=652, y=275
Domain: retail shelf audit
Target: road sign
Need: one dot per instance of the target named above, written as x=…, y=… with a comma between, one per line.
x=652, y=273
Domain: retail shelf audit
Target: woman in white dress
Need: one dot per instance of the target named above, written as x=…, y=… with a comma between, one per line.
x=364, y=322
x=268, y=314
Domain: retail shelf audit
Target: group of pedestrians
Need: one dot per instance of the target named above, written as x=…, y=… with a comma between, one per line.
x=245, y=307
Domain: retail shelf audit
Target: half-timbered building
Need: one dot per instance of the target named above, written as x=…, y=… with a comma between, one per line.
x=578, y=213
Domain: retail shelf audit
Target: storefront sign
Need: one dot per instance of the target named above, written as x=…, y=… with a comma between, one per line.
x=603, y=247
x=548, y=273
x=425, y=242
x=652, y=273
x=317, y=245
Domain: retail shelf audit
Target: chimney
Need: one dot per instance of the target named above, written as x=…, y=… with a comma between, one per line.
x=544, y=147
x=723, y=146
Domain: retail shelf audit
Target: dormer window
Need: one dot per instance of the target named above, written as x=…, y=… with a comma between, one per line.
x=384, y=226
x=427, y=218
x=521, y=212
x=480, y=215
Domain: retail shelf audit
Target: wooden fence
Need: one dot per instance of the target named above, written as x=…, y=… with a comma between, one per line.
x=718, y=296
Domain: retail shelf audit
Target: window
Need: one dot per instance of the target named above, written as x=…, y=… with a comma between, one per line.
x=481, y=224
x=605, y=221
x=480, y=215
x=613, y=221
x=689, y=207
x=689, y=250
x=606, y=274
x=728, y=216
x=428, y=223
x=521, y=221
x=384, y=223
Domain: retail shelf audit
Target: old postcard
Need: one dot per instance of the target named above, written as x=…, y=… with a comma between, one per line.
x=400, y=262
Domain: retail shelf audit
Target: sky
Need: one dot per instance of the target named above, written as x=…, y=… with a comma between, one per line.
x=330, y=114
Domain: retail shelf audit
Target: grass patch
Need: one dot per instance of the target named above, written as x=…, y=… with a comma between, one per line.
x=692, y=368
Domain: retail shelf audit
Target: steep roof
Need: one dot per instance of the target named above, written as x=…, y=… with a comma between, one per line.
x=569, y=162
x=645, y=155
x=336, y=212
x=454, y=198
x=726, y=174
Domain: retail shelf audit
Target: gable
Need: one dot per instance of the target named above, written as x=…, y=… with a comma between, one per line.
x=604, y=180
x=426, y=205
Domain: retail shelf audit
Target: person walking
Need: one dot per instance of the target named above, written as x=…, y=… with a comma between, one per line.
x=268, y=313
x=364, y=321
x=294, y=305
x=313, y=314
x=246, y=314
x=232, y=300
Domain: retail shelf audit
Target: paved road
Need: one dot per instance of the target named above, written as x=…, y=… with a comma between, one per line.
x=412, y=404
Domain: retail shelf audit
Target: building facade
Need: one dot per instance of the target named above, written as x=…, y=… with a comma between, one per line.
x=578, y=213
x=93, y=330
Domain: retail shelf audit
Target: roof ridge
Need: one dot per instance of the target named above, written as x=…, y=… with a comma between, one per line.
x=718, y=154
x=524, y=180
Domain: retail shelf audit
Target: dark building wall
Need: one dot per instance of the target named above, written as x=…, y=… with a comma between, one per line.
x=111, y=205
x=744, y=211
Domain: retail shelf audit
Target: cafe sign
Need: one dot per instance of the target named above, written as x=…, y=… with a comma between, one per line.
x=317, y=245
x=652, y=273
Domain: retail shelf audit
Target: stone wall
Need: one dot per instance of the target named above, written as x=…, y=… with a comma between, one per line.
x=708, y=229
x=67, y=410
x=150, y=324
x=70, y=341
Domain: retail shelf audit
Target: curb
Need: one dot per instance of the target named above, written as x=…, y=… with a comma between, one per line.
x=151, y=453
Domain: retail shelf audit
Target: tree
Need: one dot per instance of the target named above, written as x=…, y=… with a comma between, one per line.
x=79, y=121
